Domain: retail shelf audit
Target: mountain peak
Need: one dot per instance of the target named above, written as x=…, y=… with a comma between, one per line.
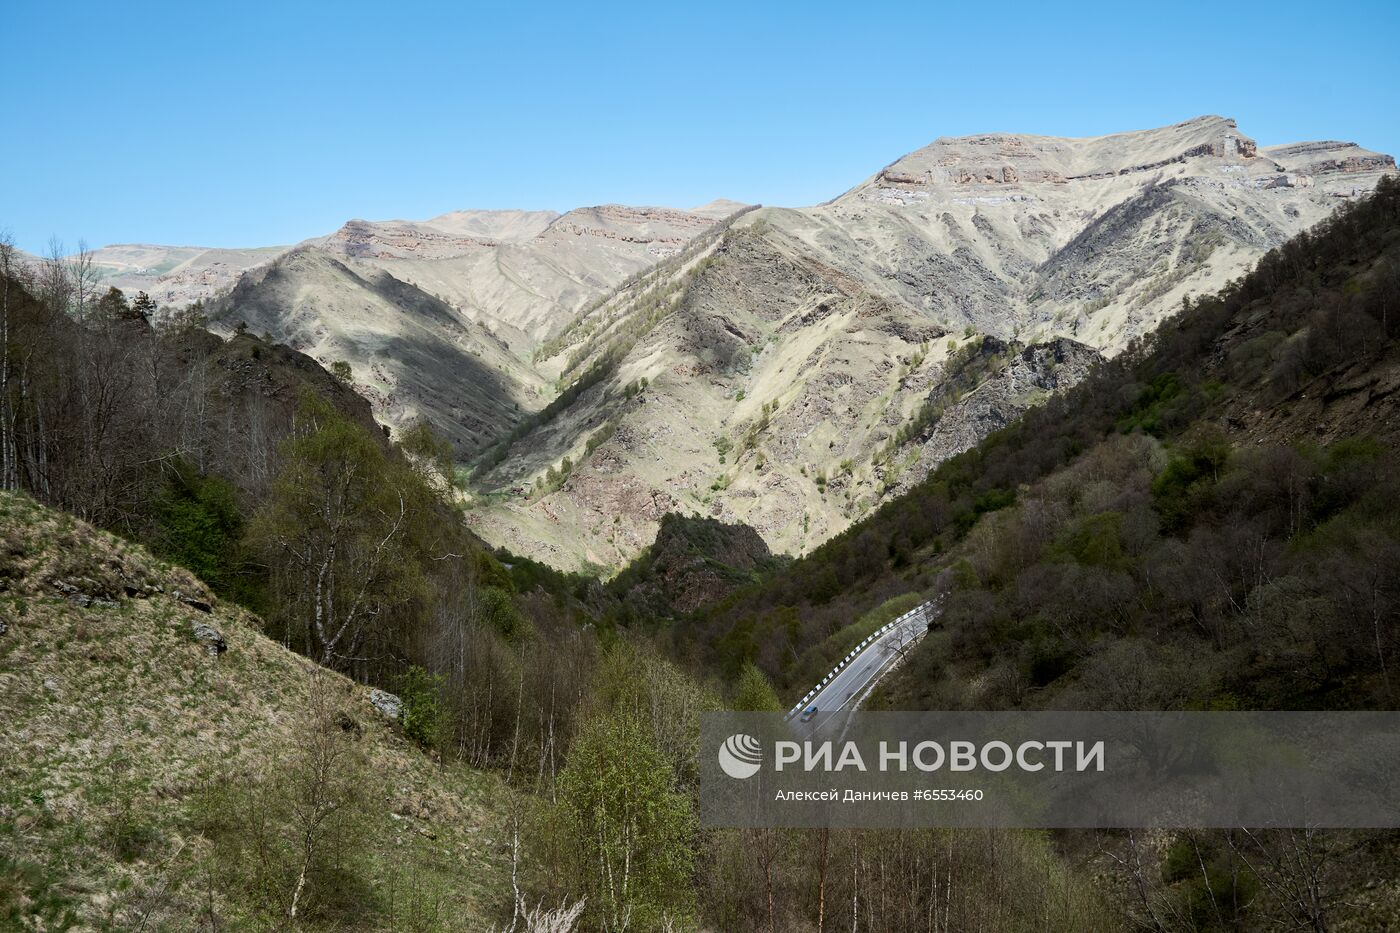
x=1024, y=159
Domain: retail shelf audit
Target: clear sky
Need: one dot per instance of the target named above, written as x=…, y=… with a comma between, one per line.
x=251, y=123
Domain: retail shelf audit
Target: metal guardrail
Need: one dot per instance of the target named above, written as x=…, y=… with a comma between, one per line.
x=855, y=653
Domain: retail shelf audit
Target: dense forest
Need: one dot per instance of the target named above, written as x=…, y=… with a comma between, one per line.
x=1205, y=523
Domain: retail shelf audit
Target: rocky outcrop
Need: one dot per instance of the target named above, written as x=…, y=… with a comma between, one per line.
x=1011, y=160
x=1028, y=377
x=1329, y=157
x=387, y=704
x=91, y=571
x=631, y=224
x=210, y=637
x=360, y=239
x=194, y=602
x=693, y=562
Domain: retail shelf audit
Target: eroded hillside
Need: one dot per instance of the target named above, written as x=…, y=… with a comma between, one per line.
x=438, y=319
x=809, y=364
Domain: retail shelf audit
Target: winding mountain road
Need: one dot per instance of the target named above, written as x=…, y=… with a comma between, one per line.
x=848, y=683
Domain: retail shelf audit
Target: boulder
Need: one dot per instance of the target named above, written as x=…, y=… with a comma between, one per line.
x=78, y=596
x=194, y=602
x=387, y=703
x=212, y=638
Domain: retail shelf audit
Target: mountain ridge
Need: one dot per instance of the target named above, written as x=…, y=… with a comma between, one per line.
x=811, y=343
x=814, y=343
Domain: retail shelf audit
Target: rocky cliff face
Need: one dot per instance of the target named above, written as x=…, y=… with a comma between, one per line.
x=1017, y=379
x=783, y=377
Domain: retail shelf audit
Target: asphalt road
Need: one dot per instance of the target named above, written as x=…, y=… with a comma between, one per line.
x=848, y=686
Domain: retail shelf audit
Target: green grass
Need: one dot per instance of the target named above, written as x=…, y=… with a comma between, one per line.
x=118, y=721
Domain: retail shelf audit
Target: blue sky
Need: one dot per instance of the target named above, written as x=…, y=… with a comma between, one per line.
x=242, y=124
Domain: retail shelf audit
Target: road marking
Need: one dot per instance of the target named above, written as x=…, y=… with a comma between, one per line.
x=889, y=650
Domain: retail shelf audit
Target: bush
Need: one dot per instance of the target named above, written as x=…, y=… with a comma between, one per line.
x=424, y=716
x=754, y=693
x=1096, y=540
x=200, y=527
x=1178, y=491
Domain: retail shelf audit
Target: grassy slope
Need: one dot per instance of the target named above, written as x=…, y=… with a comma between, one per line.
x=116, y=718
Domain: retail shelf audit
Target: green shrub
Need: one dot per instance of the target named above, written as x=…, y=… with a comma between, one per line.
x=1154, y=403
x=1216, y=890
x=424, y=718
x=755, y=693
x=32, y=898
x=1178, y=490
x=199, y=526
x=1096, y=540
x=499, y=611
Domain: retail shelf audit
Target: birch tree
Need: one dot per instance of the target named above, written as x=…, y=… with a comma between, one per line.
x=628, y=834
x=9, y=450
x=341, y=534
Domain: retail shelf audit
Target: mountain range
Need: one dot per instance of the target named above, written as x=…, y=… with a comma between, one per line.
x=809, y=364
x=790, y=369
x=257, y=670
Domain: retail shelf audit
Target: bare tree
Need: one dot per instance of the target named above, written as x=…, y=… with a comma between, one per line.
x=537, y=919
x=1295, y=866
x=325, y=787
x=9, y=271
